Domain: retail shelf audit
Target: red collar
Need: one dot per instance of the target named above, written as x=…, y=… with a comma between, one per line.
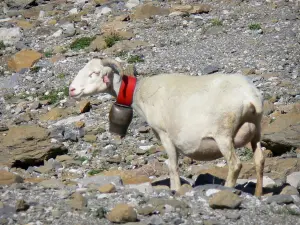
x=126, y=91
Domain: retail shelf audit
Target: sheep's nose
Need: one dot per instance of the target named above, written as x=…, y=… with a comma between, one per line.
x=71, y=90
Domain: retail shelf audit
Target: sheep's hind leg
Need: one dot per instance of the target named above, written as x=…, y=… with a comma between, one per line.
x=234, y=164
x=173, y=161
x=259, y=161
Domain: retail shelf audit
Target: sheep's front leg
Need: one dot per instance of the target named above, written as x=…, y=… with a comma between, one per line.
x=173, y=161
x=234, y=164
x=259, y=161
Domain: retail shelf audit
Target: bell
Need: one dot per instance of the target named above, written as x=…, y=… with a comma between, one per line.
x=120, y=117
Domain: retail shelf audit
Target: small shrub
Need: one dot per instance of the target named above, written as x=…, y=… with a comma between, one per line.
x=121, y=53
x=2, y=45
x=245, y=154
x=216, y=22
x=81, y=43
x=48, y=54
x=61, y=76
x=35, y=69
x=94, y=171
x=82, y=158
x=53, y=95
x=112, y=39
x=135, y=59
x=254, y=26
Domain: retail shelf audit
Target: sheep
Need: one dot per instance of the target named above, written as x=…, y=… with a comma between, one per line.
x=203, y=117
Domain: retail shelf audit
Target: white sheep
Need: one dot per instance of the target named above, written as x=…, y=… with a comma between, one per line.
x=202, y=117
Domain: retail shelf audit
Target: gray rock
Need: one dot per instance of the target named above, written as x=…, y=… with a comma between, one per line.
x=293, y=179
x=17, y=4
x=68, y=29
x=3, y=127
x=210, y=69
x=280, y=199
x=101, y=180
x=289, y=190
x=225, y=199
x=78, y=201
x=52, y=184
x=10, y=36
x=145, y=188
x=155, y=220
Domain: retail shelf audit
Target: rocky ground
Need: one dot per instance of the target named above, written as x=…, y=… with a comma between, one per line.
x=60, y=165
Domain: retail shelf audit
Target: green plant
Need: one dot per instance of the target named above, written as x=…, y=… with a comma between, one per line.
x=2, y=45
x=82, y=158
x=94, y=171
x=112, y=39
x=216, y=22
x=48, y=54
x=121, y=53
x=272, y=120
x=81, y=43
x=53, y=95
x=35, y=69
x=254, y=26
x=135, y=59
x=61, y=76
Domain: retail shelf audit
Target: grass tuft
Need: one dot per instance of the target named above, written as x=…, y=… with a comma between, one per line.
x=112, y=39
x=81, y=43
x=254, y=26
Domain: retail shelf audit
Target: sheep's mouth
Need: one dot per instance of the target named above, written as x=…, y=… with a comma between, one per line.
x=76, y=96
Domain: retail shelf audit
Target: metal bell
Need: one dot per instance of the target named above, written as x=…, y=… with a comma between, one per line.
x=119, y=119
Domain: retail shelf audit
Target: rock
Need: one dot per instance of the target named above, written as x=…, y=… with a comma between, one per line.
x=268, y=107
x=18, y=4
x=122, y=213
x=55, y=114
x=282, y=134
x=125, y=45
x=98, y=44
x=24, y=24
x=23, y=59
x=155, y=220
x=280, y=199
x=102, y=11
x=145, y=188
x=267, y=181
x=289, y=190
x=10, y=36
x=63, y=158
x=107, y=188
x=3, y=127
x=192, y=9
x=8, y=178
x=68, y=29
x=21, y=205
x=28, y=145
x=144, y=129
x=184, y=189
x=146, y=210
x=100, y=180
x=293, y=179
x=51, y=184
x=148, y=10
x=90, y=138
x=77, y=201
x=210, y=69
x=225, y=199
x=268, y=153
x=43, y=169
x=84, y=106
x=132, y=3
x=128, y=177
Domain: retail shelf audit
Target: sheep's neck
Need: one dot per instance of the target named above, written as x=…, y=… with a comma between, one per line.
x=116, y=86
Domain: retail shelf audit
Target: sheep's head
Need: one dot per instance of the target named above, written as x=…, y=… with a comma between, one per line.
x=95, y=77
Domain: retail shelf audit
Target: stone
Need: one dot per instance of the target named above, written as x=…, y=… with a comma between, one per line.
x=24, y=24
x=23, y=59
x=122, y=213
x=128, y=177
x=100, y=180
x=268, y=107
x=90, y=138
x=145, y=188
x=125, y=45
x=280, y=199
x=107, y=188
x=146, y=210
x=184, y=189
x=55, y=114
x=8, y=178
x=21, y=205
x=98, y=44
x=84, y=106
x=51, y=184
x=268, y=153
x=102, y=11
x=267, y=181
x=200, y=8
x=28, y=145
x=19, y=4
x=282, y=134
x=225, y=199
x=79, y=124
x=293, y=179
x=148, y=10
x=68, y=29
x=77, y=201
x=10, y=36
x=63, y=158
x=3, y=127
x=289, y=190
x=210, y=69
x=43, y=169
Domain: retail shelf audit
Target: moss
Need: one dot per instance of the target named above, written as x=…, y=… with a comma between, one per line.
x=94, y=171
x=216, y=22
x=61, y=76
x=112, y=39
x=254, y=26
x=81, y=43
x=35, y=69
x=2, y=45
x=135, y=59
x=48, y=54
